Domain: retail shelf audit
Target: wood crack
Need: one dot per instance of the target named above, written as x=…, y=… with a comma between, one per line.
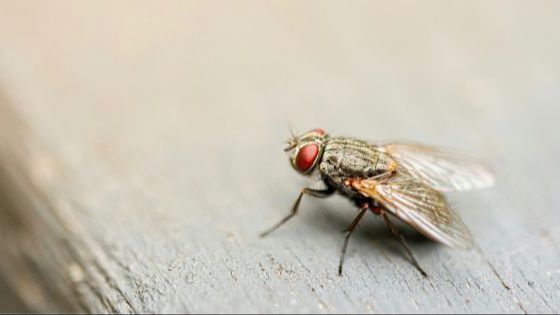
x=500, y=279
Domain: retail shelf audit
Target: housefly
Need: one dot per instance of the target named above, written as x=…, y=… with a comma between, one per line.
x=399, y=180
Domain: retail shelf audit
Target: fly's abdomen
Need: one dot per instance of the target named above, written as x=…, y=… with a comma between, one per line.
x=347, y=157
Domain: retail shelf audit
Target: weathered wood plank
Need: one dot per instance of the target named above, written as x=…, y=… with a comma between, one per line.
x=140, y=153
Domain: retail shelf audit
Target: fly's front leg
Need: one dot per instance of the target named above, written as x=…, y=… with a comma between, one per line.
x=313, y=192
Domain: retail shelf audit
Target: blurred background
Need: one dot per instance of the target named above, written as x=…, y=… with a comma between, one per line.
x=141, y=122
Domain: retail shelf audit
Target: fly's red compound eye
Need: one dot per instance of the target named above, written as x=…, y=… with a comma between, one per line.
x=306, y=157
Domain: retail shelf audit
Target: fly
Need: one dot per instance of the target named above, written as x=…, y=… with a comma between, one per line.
x=399, y=180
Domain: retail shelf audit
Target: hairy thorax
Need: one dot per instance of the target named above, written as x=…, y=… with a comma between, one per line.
x=345, y=158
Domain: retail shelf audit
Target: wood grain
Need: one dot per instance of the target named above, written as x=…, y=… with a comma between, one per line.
x=141, y=154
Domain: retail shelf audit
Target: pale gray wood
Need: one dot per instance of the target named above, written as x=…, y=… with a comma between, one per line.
x=141, y=154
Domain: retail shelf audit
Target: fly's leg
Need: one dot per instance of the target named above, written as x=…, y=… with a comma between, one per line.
x=349, y=231
x=395, y=232
x=295, y=207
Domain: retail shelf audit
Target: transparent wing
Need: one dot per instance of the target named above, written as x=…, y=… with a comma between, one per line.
x=440, y=169
x=419, y=205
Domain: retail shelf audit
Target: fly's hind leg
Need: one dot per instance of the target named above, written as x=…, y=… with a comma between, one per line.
x=313, y=192
x=397, y=234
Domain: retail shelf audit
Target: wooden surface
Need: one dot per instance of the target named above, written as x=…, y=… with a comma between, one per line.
x=141, y=153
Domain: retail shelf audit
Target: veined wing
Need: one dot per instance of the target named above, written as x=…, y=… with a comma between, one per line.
x=419, y=205
x=440, y=169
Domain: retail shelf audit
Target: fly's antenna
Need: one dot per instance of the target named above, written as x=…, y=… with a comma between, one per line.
x=292, y=141
x=292, y=134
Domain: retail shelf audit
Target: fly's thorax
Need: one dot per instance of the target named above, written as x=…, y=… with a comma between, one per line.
x=348, y=157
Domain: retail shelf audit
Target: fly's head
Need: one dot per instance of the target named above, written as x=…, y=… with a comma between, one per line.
x=305, y=150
